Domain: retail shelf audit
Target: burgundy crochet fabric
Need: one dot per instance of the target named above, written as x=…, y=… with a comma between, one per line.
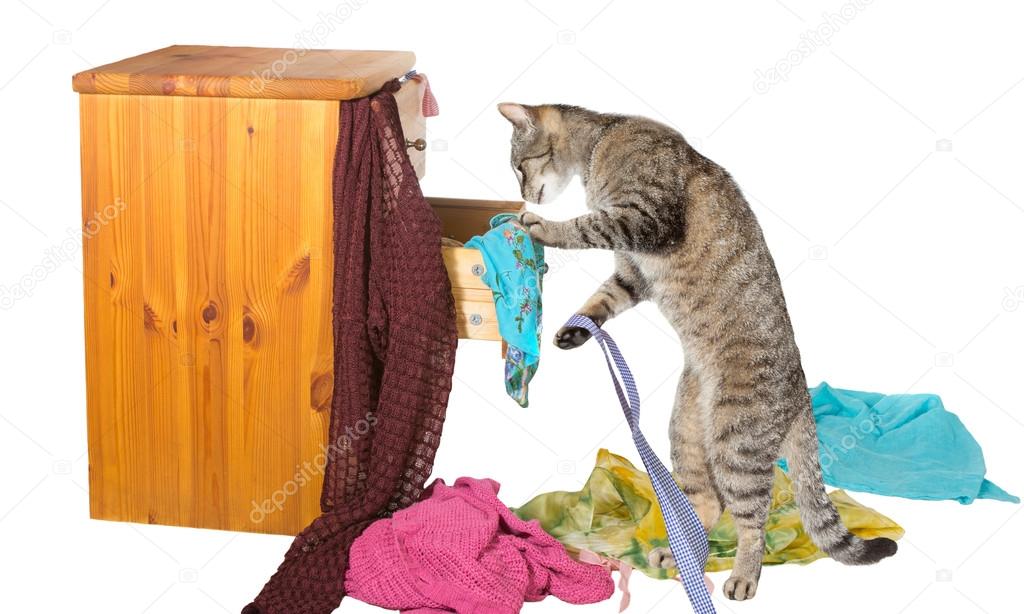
x=394, y=353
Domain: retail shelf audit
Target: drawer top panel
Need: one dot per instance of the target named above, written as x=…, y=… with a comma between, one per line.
x=248, y=72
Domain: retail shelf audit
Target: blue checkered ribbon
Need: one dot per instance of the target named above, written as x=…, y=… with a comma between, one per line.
x=686, y=537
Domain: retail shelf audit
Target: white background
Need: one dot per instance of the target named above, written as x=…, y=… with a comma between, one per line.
x=900, y=254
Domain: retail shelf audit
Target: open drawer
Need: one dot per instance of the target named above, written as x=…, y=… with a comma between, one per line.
x=461, y=219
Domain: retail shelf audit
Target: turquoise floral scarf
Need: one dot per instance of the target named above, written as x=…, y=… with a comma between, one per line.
x=514, y=271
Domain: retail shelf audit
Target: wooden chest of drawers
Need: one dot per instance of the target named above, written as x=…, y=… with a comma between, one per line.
x=206, y=206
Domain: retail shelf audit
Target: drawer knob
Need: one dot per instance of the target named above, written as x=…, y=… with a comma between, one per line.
x=478, y=269
x=476, y=319
x=418, y=144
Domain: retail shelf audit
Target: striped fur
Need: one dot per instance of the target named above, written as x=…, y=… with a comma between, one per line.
x=685, y=238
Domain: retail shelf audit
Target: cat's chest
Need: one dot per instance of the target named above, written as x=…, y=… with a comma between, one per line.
x=653, y=268
x=665, y=276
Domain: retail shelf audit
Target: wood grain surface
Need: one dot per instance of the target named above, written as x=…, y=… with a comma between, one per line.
x=208, y=307
x=207, y=266
x=247, y=72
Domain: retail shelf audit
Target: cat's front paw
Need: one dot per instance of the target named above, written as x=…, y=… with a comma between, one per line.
x=569, y=337
x=541, y=230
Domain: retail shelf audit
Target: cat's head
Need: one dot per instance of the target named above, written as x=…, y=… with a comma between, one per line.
x=540, y=153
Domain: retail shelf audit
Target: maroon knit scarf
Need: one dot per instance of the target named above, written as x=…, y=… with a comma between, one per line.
x=394, y=353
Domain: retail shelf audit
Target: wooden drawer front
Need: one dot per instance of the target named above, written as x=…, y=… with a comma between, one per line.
x=462, y=219
x=465, y=269
x=476, y=318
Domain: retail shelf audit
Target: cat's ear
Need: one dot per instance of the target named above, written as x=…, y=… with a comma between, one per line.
x=521, y=116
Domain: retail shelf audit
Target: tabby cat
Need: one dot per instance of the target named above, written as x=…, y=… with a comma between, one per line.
x=685, y=238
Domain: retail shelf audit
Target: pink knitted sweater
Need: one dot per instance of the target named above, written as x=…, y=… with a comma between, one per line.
x=460, y=549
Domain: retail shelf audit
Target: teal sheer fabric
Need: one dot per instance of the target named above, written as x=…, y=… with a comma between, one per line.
x=902, y=445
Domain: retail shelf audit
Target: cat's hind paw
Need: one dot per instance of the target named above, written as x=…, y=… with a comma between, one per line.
x=569, y=337
x=739, y=588
x=661, y=558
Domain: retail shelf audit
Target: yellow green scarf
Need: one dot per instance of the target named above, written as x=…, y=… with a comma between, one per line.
x=616, y=515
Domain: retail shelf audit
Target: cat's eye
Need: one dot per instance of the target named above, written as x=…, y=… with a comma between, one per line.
x=541, y=157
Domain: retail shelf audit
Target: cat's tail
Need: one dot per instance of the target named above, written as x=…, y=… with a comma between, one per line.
x=819, y=515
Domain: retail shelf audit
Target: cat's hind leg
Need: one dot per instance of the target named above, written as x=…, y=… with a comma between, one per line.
x=689, y=461
x=743, y=455
x=746, y=571
x=689, y=454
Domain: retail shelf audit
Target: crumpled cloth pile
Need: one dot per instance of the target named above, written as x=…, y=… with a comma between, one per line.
x=460, y=549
